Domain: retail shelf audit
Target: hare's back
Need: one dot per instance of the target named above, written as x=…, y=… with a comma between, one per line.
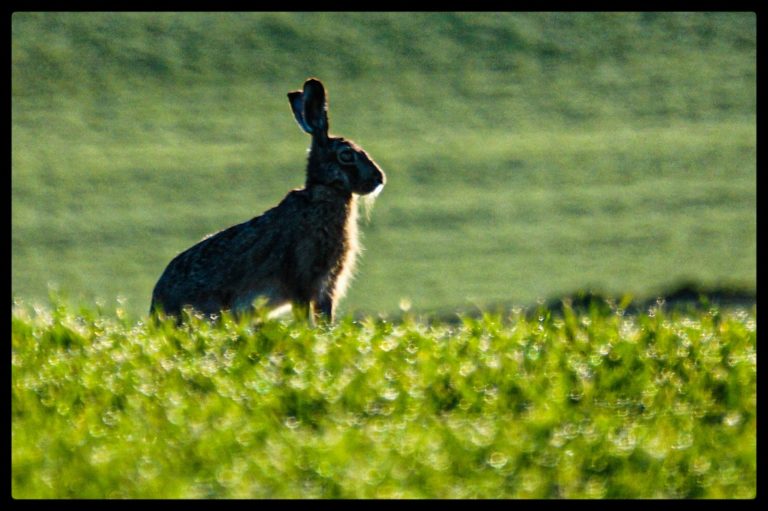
x=214, y=274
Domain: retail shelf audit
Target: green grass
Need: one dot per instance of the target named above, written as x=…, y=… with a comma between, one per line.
x=527, y=154
x=596, y=404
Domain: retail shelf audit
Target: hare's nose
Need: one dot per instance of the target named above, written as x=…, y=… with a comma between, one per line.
x=377, y=190
x=378, y=184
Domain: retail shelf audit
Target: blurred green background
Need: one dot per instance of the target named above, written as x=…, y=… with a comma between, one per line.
x=527, y=154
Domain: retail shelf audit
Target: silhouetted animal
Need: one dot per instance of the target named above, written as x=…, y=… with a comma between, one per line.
x=300, y=252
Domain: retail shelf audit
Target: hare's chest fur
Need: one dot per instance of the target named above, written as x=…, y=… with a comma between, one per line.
x=326, y=248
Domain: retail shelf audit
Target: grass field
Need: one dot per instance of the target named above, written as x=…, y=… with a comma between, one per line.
x=595, y=404
x=528, y=154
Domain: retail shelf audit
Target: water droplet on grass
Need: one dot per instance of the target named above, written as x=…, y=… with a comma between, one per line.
x=390, y=394
x=732, y=419
x=497, y=460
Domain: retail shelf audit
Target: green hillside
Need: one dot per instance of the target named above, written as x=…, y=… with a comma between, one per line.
x=527, y=154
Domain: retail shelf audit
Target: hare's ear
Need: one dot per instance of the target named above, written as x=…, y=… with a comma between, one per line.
x=316, y=109
x=297, y=105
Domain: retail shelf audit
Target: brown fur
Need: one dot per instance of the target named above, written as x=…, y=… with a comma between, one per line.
x=301, y=252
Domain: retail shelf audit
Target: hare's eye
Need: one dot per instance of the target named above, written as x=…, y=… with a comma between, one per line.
x=346, y=156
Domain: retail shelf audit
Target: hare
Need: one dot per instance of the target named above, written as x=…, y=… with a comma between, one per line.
x=299, y=253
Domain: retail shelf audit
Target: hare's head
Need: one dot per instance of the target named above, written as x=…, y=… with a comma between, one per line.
x=333, y=161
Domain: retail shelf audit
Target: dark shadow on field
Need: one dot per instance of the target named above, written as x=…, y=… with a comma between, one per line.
x=686, y=296
x=683, y=297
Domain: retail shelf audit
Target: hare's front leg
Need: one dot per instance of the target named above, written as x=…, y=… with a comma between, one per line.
x=301, y=311
x=324, y=306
